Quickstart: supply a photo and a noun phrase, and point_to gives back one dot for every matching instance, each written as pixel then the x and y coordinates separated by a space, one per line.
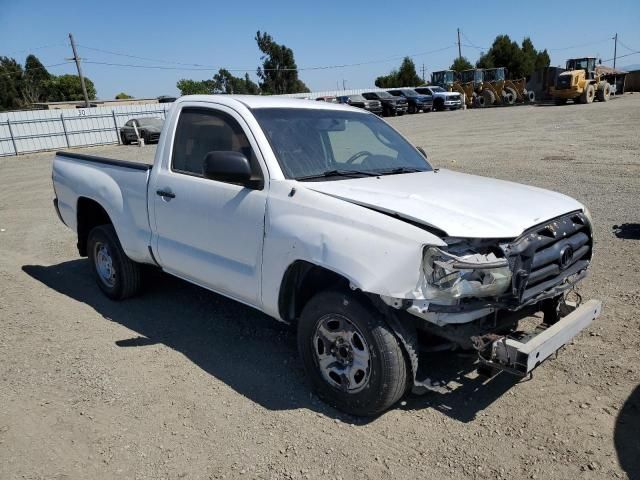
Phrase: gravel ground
pixel 182 383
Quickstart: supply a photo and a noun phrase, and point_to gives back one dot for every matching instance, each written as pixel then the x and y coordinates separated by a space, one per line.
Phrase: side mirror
pixel 421 150
pixel 230 167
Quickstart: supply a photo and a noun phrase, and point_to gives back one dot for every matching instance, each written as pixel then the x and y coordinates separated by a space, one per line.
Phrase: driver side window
pixel 200 131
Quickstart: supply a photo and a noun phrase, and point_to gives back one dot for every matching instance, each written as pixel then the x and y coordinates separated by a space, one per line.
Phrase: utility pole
pixel 615 49
pixel 459 49
pixel 77 60
pixel 344 84
pixel 423 70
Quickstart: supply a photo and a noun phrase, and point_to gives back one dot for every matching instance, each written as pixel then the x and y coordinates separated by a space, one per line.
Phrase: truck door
pixel 206 231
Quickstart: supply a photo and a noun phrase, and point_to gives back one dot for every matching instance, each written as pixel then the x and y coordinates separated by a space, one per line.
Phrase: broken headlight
pixel 468 274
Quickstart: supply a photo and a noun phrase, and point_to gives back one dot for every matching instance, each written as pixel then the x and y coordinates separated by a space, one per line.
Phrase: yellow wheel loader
pixel 447 80
pixel 510 91
pixel 582 82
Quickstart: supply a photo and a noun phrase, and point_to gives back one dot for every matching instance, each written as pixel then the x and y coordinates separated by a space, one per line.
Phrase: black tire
pixel 438 105
pixel 412 109
pixel 604 91
pixel 588 95
pixel 512 95
pixel 125 279
pixel 530 96
pixel 123 137
pixel 388 372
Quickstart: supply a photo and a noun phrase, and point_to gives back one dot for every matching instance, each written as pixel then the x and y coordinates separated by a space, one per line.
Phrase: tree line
pixel 21 86
pixel 520 61
pixel 278 74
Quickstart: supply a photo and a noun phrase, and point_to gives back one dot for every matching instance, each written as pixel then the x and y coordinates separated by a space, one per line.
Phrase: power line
pixel 579 46
pixel 471 44
pixel 628 48
pixel 622 56
pixel 195 67
pixel 44 67
pixel 29 50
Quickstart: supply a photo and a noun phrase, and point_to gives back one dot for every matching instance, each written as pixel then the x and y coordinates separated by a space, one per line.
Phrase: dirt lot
pixel 182 383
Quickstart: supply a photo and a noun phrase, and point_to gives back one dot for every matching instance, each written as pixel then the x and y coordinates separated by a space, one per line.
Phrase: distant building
pixel 93 103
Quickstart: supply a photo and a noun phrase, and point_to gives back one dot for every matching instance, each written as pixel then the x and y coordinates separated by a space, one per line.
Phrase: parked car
pixel 326 218
pixel 327 98
pixel 416 101
pixel 390 105
pixel 442 99
pixel 374 106
pixel 149 129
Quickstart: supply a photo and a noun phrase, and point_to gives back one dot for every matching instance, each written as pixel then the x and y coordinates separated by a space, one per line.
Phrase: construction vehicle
pixel 582 82
pixel 509 91
pixel 448 80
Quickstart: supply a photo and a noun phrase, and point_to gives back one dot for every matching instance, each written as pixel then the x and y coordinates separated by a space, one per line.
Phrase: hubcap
pixel 342 353
pixel 104 264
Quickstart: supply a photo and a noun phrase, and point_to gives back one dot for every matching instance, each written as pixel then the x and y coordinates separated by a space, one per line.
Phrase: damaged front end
pixel 474 292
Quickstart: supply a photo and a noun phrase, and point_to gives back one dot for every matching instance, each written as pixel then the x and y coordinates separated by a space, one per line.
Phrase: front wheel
pixel 353 359
pixel 116 274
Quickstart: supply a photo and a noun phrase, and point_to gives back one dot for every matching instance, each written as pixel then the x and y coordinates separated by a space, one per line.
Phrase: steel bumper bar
pixel 521 358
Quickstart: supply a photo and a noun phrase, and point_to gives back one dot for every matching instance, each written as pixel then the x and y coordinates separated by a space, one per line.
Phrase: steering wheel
pixel 356 156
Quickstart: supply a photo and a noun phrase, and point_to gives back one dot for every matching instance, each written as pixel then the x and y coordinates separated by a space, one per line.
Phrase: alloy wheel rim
pixel 342 353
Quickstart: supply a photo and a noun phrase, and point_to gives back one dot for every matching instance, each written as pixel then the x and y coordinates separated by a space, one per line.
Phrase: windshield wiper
pixel 398 170
pixel 339 173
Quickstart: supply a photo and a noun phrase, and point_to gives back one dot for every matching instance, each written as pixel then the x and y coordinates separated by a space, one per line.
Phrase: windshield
pixel 311 142
pixel 356 98
pixel 150 122
pixel 437 89
pixel 383 94
pixel 409 93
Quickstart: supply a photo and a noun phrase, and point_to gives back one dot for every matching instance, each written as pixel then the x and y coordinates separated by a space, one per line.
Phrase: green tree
pixel 279 72
pixel 485 61
pixel 387 81
pixel 68 88
pixel 225 82
pixel 36 81
pixel 405 76
pixel 460 64
pixel 123 96
pixel 195 87
pixel 11 78
pixel 519 61
pixel 542 60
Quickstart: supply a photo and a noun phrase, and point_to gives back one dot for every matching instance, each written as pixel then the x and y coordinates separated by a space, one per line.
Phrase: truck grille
pixel 547 255
pixel 564 81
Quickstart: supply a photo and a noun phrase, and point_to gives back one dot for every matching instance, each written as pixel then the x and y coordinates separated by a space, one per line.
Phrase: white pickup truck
pixel 325 217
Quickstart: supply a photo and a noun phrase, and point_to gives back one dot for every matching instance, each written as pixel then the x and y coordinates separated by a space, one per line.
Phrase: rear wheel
pixel 123 137
pixel 512 95
pixel 353 359
pixel 438 104
pixel 588 95
pixel 412 109
pixel 530 96
pixel 116 274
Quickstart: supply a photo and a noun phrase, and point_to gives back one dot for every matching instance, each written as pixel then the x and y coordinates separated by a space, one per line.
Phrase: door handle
pixel 165 194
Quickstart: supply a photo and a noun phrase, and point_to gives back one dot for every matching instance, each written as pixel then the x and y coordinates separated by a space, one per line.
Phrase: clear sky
pixel 326 33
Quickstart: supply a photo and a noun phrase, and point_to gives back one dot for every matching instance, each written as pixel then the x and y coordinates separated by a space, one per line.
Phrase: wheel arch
pixel 89 214
pixel 301 280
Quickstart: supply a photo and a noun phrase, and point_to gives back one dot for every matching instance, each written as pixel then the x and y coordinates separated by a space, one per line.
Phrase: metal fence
pixel 40 130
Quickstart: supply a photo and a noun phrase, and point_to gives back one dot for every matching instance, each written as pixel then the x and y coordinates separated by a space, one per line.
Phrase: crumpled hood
pixel 462 205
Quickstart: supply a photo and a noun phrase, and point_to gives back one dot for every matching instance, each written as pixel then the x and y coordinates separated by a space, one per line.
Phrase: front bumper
pixel 522 357
pixel 571 92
